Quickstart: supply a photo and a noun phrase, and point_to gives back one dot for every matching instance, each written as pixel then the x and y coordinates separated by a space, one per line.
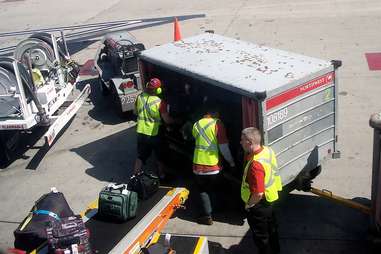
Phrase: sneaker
pixel 205 220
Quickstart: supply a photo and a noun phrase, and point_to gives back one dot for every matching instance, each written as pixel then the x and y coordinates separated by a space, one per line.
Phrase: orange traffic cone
pixel 177 34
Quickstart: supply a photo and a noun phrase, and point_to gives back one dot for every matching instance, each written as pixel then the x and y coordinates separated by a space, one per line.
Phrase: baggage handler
pixel 151 111
pixel 210 136
pixel 259 190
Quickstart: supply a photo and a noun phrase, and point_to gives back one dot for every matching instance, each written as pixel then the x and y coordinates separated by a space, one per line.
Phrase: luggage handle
pixel 143 173
pixel 122 186
pixel 46 212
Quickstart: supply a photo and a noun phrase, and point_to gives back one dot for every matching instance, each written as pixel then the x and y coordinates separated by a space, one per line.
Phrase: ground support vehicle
pixel 116 62
pixel 34 84
pixel 291 98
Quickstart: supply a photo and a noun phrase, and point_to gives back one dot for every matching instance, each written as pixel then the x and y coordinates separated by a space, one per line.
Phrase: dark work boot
pixel 205 220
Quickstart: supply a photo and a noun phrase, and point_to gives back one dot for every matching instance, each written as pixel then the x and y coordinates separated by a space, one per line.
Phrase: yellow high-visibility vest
pixel 273 182
pixel 149 120
pixel 206 148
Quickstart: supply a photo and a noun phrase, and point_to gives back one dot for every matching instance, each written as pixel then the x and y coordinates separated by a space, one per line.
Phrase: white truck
pixel 34 84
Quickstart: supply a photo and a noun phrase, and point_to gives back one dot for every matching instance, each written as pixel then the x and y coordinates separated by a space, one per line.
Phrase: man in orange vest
pixel 210 136
pixel 150 110
pixel 259 190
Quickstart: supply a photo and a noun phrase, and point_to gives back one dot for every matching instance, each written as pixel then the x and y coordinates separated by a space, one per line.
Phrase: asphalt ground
pixel 98 146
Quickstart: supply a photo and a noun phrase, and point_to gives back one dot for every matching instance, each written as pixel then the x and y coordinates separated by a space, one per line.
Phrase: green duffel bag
pixel 117 202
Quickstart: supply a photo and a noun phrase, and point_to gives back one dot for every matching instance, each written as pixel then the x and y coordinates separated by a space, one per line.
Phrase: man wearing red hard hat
pixel 151 111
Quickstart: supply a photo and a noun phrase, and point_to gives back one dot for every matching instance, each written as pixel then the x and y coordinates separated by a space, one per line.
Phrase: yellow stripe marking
pixel 199 245
pixel 93 205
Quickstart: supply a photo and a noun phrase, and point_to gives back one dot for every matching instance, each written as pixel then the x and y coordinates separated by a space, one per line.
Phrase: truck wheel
pixel 8 145
pixel 105 91
pixel 116 101
pixel 304 180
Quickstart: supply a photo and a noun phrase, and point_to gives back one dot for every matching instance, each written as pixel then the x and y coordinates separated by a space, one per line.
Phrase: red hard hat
pixel 154 83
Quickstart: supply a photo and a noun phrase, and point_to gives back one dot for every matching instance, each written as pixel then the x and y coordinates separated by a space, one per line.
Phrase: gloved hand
pixel 138 171
pixel 248 206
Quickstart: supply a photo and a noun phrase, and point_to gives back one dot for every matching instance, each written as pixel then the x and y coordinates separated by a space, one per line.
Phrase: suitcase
pixel 144 184
pixel 31 233
pixel 117 202
pixel 68 235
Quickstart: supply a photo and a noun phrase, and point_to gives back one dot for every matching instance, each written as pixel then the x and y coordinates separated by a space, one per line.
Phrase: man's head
pixel 211 108
pixel 154 86
pixel 250 139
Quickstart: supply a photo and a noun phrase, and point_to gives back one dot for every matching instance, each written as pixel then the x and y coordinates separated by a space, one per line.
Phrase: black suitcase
pixel 31 233
pixel 68 234
pixel 144 184
pixel 117 202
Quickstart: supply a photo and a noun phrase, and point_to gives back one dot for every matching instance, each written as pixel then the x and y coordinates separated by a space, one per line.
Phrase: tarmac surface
pixel 98 146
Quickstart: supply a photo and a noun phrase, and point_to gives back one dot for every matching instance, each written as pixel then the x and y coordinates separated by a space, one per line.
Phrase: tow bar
pixel 330 196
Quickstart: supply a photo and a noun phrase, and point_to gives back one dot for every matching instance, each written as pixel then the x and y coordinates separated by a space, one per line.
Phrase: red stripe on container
pixel 374 61
pixel 299 90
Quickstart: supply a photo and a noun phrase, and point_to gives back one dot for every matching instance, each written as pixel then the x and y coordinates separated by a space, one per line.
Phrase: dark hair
pixel 211 107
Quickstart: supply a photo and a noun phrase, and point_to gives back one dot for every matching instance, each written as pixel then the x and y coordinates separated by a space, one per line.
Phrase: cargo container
pixel 290 97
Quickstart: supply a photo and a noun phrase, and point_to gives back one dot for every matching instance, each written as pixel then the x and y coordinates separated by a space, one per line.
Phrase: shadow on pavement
pixel 112 157
pixel 309 224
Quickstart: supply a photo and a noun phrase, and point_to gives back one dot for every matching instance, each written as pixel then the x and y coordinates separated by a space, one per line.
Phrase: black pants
pixel 147 144
pixel 206 186
pixel 263 225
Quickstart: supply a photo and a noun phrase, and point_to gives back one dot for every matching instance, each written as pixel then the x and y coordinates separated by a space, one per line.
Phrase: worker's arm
pixel 165 115
pixel 253 200
pixel 135 110
pixel 225 151
pixel 167 118
pixel 256 180
pixel 223 144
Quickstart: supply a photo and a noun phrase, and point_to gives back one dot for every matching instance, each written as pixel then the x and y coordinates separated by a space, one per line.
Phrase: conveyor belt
pixel 104 235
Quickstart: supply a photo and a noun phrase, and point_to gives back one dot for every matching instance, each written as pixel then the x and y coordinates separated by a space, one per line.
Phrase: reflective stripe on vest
pixel 267 158
pixel 148 114
pixel 275 177
pixel 206 147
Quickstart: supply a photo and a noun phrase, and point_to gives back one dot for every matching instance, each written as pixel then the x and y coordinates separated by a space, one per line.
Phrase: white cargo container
pixel 290 97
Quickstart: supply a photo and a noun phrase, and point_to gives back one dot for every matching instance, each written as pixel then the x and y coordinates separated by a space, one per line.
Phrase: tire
pixel 116 101
pixel 6 150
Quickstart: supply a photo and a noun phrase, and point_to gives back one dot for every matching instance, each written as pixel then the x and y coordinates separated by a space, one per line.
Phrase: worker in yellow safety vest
pixel 210 140
pixel 259 190
pixel 150 110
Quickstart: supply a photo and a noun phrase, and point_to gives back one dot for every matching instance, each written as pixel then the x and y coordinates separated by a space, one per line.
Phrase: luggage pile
pixel 51 220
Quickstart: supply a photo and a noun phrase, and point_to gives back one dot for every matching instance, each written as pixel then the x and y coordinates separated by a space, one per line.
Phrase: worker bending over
pixel 150 110
pixel 210 136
